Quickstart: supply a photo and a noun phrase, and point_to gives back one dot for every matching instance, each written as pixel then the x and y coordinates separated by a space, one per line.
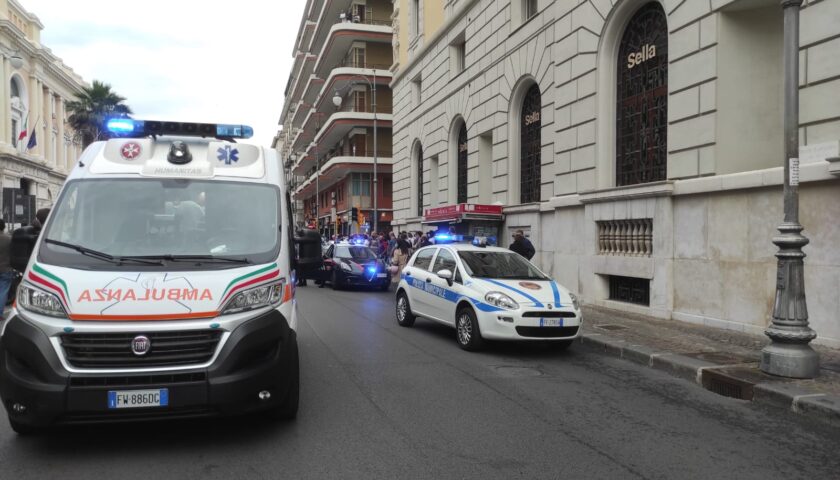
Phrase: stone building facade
pixel 637 142
pixel 35 87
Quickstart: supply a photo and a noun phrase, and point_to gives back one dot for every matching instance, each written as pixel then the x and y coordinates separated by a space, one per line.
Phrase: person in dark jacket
pixel 24 239
pixel 522 245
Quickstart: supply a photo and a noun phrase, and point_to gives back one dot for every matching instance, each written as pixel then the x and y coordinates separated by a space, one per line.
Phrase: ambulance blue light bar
pixel 129 127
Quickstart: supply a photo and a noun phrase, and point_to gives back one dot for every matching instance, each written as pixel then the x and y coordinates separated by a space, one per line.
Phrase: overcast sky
pixel 187 60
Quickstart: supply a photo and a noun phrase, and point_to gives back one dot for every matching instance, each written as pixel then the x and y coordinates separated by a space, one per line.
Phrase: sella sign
pixel 647 52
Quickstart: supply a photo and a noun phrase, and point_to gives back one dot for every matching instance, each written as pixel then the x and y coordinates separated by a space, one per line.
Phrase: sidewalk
pixel 722 361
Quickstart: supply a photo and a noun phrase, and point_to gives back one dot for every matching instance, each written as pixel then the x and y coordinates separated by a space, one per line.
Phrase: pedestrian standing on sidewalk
pixel 522 245
pixel 6 273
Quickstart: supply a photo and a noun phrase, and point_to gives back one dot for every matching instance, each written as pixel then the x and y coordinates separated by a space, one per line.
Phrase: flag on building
pixel 23 131
pixel 32 141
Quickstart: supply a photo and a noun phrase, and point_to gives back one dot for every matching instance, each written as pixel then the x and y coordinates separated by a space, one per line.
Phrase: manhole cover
pixel 509 371
pixel 612 327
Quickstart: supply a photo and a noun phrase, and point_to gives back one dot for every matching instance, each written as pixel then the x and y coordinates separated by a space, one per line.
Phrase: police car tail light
pixel 129 127
pixel 499 299
pixel 257 297
pixel 39 301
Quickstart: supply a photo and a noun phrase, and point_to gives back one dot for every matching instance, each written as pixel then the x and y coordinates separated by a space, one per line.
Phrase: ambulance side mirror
pixel 446 275
pixel 310 257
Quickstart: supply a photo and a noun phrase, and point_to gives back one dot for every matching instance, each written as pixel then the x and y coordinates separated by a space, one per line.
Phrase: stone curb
pixel 799 400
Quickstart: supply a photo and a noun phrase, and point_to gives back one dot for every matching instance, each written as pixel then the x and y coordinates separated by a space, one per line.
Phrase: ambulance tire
pixel 467 331
pixel 20 428
pixel 404 316
pixel 289 408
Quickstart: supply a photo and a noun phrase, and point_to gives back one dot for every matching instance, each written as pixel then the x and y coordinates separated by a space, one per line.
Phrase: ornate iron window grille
pixel 642 105
pixel 462 165
pixel 531 145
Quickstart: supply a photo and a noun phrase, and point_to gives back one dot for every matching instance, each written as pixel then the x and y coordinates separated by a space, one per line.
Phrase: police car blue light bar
pixel 129 127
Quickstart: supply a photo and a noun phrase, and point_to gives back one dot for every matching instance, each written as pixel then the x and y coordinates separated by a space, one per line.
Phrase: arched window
pixel 530 146
pixel 642 99
pixel 18 102
pixel 462 164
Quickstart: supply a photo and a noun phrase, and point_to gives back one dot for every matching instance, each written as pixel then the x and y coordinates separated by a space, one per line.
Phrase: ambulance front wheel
pixel 289 408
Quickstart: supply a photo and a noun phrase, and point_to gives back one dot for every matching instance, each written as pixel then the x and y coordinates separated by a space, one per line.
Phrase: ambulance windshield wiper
pixel 198 258
pixel 102 255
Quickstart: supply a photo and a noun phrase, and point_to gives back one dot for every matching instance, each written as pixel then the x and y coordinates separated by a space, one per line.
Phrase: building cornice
pixel 47 59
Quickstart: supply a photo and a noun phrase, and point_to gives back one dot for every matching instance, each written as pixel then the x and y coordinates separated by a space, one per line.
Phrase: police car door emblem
pixel 227 154
pixel 130 150
pixel 140 345
pixel 549 306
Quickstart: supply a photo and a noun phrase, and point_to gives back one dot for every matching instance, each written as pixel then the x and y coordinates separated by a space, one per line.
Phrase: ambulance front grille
pixel 113 350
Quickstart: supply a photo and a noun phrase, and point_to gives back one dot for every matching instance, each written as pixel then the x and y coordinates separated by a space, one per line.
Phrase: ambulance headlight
pixel 256 297
pixel 39 301
pixel 499 299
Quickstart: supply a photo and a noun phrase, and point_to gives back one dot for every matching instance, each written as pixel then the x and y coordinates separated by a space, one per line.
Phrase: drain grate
pixel 722 384
pixel 612 327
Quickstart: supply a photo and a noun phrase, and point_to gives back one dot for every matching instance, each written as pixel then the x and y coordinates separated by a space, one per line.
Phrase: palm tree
pixel 92 107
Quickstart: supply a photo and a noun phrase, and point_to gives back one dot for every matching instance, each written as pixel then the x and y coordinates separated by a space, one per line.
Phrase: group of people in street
pixel 396 249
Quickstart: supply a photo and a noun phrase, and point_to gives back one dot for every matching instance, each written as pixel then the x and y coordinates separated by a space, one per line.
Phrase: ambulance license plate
pixel 551 322
pixel 138 398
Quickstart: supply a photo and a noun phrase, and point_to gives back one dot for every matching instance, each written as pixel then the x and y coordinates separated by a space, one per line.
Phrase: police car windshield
pixel 354 253
pixel 166 218
pixel 499 265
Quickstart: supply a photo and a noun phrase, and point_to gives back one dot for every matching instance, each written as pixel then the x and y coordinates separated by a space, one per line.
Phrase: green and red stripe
pixel 46 279
pixel 253 278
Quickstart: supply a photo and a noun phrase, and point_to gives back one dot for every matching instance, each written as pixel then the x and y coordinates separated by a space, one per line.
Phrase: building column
pixel 5 134
pixel 49 119
pixel 34 112
pixel 60 161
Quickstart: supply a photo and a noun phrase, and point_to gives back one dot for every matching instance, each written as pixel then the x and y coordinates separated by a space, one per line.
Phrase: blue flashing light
pixel 123 125
pixel 128 127
pixel 447 238
pixel 234 131
pixel 371 269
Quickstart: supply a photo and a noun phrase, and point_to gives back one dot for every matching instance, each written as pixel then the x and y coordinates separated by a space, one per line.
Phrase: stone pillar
pixel 5 119
pixel 60 161
pixel 49 121
pixel 34 112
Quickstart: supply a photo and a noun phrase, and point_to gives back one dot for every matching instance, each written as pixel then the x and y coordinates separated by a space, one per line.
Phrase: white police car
pixel 486 293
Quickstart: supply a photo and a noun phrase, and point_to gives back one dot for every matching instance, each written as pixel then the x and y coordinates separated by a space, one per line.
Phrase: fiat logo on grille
pixel 141 345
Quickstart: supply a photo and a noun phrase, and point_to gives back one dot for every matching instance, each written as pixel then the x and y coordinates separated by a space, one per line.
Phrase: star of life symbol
pixel 227 154
pixel 130 150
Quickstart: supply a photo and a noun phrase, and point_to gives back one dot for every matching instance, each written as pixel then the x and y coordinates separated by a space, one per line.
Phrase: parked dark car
pixel 353 265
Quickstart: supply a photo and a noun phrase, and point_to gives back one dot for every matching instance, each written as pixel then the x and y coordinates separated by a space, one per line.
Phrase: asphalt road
pixel 381 401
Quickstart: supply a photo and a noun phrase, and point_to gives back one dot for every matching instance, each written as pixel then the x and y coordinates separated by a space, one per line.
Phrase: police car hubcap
pixel 401 308
pixel 464 328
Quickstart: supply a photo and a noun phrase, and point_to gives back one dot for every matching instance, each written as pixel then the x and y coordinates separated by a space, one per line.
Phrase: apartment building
pixel 336 119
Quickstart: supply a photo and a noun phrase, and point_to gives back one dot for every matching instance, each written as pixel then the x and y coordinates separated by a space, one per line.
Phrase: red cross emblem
pixel 130 150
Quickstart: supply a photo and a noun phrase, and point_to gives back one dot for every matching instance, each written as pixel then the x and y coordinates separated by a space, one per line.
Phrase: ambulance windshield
pixel 172 218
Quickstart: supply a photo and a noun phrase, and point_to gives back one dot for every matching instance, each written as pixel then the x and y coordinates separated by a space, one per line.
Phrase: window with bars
pixel 642 103
pixel 530 146
pixel 629 289
pixel 462 164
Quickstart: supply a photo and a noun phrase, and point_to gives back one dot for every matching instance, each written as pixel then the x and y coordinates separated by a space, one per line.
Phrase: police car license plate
pixel 551 322
pixel 138 398
pixel 381 275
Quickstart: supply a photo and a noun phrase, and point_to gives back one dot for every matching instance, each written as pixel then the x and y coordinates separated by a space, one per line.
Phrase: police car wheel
pixel 404 316
pixel 467 331
pixel 336 284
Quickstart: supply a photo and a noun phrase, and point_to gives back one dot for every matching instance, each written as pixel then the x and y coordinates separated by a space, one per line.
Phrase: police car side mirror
pixel 446 275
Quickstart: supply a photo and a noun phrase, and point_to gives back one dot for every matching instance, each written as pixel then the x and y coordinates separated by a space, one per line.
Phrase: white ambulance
pixel 162 285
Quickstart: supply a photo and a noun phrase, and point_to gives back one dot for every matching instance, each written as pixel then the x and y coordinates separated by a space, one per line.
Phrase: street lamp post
pixel 788 354
pixel 337 103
